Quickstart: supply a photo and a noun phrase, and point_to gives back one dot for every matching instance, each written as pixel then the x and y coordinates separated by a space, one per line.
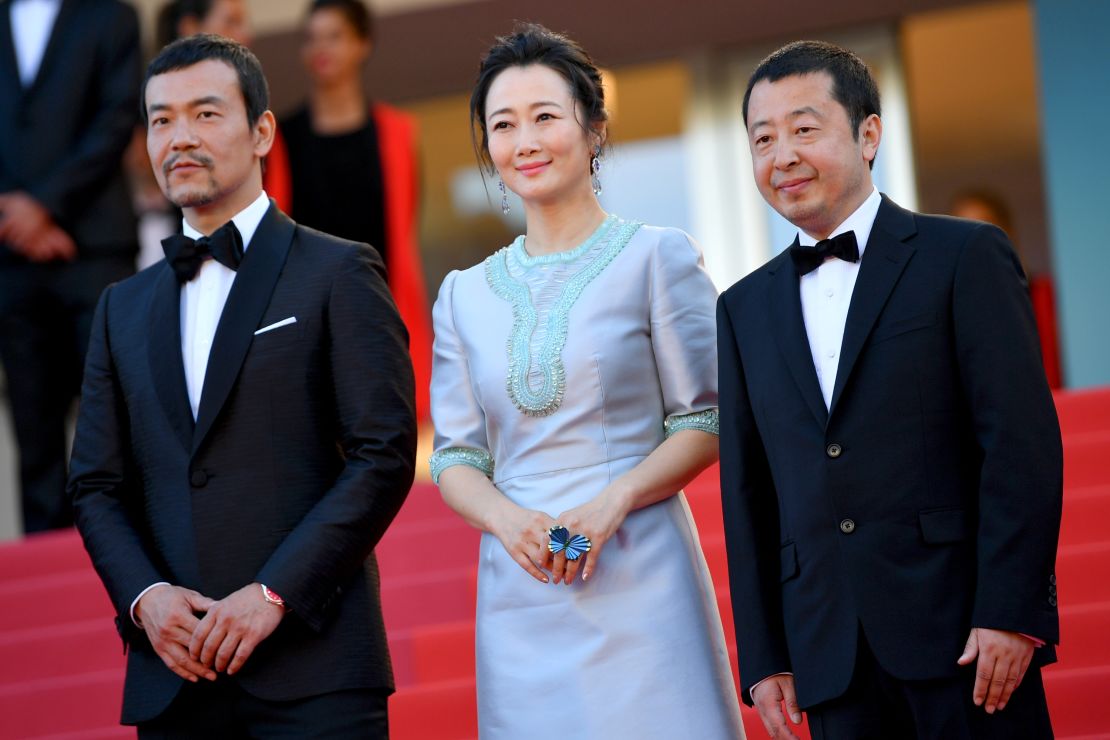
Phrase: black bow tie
pixel 808 259
pixel 186 255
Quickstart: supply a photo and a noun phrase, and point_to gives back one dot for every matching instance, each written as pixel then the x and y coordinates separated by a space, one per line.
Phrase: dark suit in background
pixel 301 455
pixel 925 501
pixel 61 142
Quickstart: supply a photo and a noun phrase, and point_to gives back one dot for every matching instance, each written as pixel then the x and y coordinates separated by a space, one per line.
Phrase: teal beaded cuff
pixel 704 421
pixel 475 458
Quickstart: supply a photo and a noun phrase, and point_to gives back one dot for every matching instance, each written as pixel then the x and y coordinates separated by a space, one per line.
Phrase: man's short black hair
pixel 853 86
pixel 200 48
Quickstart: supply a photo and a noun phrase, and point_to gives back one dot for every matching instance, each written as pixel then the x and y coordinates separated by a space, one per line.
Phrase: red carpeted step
pixel 1083 411
pixel 443 652
pixel 1077 699
pixel 58 598
pixel 424 504
pixel 716 556
pixel 67 704
pixel 1085 634
pixel 429 598
pixel 446 710
pixel 427 546
pixel 1085 458
pixel 42 554
pixel 59 650
pixel 111 732
pixel 1081 573
pixel 1086 517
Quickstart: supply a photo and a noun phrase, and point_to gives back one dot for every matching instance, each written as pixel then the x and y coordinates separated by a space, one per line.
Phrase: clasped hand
pixel 28 228
pixel 523 534
pixel 197 647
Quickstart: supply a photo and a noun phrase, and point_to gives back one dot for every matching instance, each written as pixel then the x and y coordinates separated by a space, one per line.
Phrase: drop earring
pixel 595 168
pixel 504 197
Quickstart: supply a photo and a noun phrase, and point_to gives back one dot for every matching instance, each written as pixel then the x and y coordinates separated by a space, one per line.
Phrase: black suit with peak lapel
pixel 301 454
pixel 62 140
pixel 926 499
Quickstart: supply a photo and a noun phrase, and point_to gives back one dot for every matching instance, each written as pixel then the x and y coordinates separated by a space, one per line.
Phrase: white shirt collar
pixel 246 220
pixel 861 221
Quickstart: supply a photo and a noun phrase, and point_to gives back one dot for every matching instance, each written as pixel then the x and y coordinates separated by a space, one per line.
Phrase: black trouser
pixel 221 710
pixel 878 706
pixel 46 311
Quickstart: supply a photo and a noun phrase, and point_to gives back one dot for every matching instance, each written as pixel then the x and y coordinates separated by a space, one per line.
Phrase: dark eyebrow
pixel 793 114
pixel 533 106
pixel 803 111
pixel 206 100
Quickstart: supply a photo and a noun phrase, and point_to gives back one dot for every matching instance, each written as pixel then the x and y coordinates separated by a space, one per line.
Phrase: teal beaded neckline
pixel 536 380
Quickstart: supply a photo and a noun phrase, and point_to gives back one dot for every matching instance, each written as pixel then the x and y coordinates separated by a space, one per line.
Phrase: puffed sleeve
pixel 460 423
pixel 684 334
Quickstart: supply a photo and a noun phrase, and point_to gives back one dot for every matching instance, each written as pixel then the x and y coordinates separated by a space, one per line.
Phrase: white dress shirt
pixel 827 292
pixel 203 299
pixel 32 24
pixel 202 304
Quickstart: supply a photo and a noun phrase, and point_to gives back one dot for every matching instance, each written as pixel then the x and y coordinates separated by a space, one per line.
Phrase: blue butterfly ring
pixel 559 540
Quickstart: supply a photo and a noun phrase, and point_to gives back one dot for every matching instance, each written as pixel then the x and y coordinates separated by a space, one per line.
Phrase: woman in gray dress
pixel 574 394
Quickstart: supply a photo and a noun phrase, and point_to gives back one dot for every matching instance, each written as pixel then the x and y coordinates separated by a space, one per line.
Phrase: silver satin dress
pixel 554 375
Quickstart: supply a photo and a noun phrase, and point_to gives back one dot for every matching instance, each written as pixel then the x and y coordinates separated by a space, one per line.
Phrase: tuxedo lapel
pixel 166 366
pixel 249 297
pixel 885 257
pixel 790 334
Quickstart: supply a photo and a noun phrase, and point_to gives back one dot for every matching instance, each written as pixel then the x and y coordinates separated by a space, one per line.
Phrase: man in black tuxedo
pixel 891 466
pixel 69 86
pixel 246 434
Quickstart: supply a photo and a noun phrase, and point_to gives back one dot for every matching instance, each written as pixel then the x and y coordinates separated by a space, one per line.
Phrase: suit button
pixel 1052 579
pixel 198 478
pixel 1052 601
pixel 834 450
pixel 847 526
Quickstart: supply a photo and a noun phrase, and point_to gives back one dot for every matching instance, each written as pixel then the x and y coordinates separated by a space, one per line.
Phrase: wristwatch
pixel 271 597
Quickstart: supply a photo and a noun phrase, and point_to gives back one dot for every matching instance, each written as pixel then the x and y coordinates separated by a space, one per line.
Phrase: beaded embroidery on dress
pixel 542 291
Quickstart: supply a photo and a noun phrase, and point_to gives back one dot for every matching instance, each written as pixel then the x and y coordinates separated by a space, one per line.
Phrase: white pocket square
pixel 277 325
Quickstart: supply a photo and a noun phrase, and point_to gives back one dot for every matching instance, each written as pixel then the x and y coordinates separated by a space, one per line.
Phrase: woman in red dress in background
pixel 347 165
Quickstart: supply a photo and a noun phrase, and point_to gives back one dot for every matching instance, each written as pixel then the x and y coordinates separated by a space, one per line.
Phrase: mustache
pixel 191 159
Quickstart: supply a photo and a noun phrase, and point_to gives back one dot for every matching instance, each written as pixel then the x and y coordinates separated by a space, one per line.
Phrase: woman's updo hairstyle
pixel 528 44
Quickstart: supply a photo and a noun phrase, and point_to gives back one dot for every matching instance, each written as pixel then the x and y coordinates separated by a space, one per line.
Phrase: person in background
pixel 574 394
pixel 69 79
pixel 180 18
pixel 352 164
pixel 980 205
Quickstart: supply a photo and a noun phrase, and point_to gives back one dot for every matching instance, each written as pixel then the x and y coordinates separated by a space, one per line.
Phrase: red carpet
pixel 61 664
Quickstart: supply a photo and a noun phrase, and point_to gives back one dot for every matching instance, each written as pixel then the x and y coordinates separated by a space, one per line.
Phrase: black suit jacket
pixel 300 457
pixel 927 499
pixel 62 138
